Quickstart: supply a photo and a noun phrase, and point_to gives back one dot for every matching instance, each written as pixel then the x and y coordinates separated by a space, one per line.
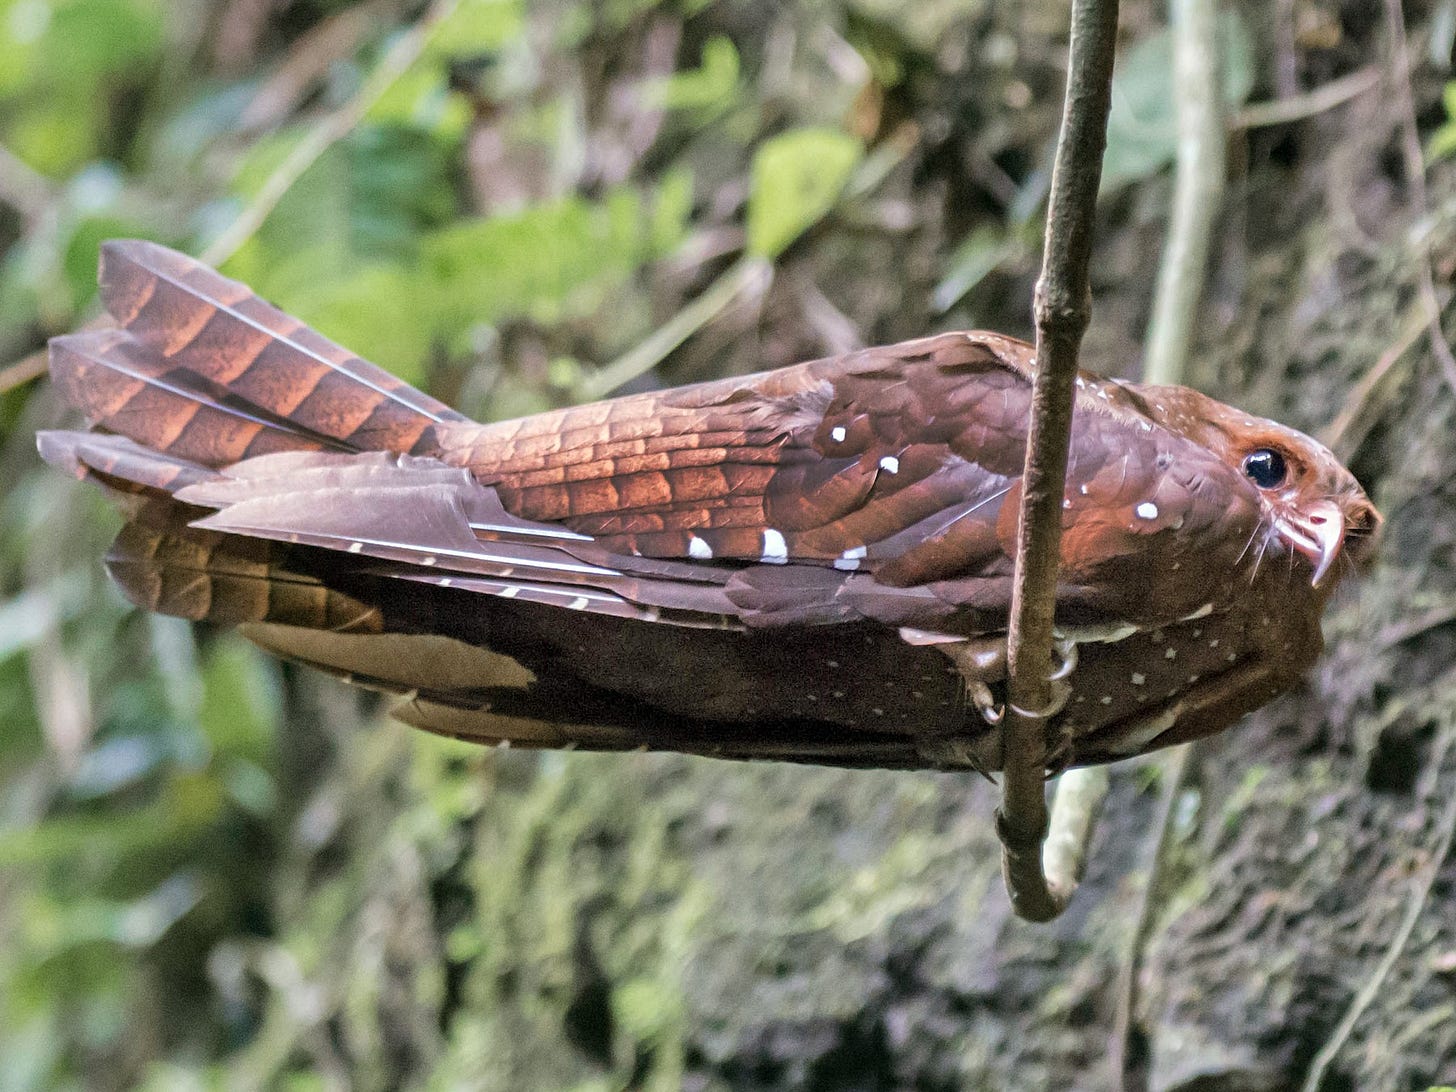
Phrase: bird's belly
pixel 860 676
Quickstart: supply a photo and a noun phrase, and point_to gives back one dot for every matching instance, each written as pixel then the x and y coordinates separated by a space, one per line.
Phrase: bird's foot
pixel 985 703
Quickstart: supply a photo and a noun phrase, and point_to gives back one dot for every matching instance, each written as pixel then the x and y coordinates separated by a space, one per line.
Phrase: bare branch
pixel 1415 169
pixel 1063 310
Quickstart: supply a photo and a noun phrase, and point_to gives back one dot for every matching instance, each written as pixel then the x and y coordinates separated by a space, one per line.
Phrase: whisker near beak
pixel 1317 532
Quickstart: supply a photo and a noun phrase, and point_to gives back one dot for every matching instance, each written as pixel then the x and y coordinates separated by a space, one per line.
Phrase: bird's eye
pixel 1266 468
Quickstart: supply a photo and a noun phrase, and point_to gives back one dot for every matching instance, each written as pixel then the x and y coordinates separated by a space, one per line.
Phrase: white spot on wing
pixel 890 465
pixel 775 549
pixel 1147 510
pixel 849 560
pixel 837 434
pixel 699 549
pixel 355 547
pixel 578 603
pixel 1138 678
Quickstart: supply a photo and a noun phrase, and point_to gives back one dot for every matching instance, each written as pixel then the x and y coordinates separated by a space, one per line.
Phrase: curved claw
pixel 985 704
pixel 1065 649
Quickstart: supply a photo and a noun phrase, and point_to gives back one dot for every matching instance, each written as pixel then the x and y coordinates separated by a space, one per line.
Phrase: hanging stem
pixel 1063 309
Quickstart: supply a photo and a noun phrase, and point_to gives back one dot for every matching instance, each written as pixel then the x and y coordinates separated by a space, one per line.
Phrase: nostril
pixel 1317 519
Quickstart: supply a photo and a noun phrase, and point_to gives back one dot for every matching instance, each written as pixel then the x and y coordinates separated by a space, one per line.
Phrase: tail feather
pixel 203 368
pixel 199 575
pixel 123 387
pixel 118 462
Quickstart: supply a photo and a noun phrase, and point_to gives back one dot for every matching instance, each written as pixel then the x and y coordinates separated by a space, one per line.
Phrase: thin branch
pixel 1197 190
pixel 1353 423
pixel 406 50
pixel 748 274
pixel 333 128
pixel 308 60
pixel 1175 769
pixel 24 188
pixel 1063 310
pixel 1415 169
pixel 1298 107
pixel 22 371
pixel 1420 895
pixel 1197 197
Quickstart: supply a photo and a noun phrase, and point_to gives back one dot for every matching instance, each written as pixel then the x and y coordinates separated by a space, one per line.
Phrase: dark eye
pixel 1265 467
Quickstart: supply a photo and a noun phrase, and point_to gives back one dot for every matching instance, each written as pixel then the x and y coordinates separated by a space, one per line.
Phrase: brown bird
pixel 766 566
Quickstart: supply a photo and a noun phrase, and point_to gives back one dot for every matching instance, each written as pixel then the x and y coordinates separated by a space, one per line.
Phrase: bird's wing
pixel 899 464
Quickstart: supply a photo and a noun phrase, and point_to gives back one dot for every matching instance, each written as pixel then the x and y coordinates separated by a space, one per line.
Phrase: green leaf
pixel 710 86
pixel 1142 128
pixel 548 262
pixel 796 178
pixel 380 313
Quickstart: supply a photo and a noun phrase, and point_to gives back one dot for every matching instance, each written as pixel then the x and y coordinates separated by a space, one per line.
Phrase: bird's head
pixel 1312 505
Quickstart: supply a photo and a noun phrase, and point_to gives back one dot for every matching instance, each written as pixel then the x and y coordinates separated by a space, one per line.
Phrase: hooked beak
pixel 1317 532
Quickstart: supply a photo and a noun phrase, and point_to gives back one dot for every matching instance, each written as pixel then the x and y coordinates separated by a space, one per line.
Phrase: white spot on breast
pixel 699 549
pixel 831 663
pixel 877 711
pixel 1171 654
pixel 775 549
pixel 890 465
pixel 1213 643
pixel 355 547
pixel 837 434
pixel 1147 510
pixel 1106 699
pixel 1138 678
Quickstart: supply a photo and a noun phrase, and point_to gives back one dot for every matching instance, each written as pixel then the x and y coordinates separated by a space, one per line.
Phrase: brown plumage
pixel 767 566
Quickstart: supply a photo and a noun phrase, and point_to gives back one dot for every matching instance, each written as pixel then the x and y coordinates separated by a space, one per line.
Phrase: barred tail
pixel 201 369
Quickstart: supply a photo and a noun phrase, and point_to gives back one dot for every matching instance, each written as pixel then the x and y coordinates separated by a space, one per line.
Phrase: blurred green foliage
pixel 527 191
pixel 216 871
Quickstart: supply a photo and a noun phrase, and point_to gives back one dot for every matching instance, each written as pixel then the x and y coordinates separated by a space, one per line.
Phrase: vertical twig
pixel 1197 196
pixel 398 60
pixel 1418 899
pixel 1197 189
pixel 1063 310
pixel 1415 169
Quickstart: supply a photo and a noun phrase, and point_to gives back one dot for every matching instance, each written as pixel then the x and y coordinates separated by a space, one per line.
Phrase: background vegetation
pixel 217 872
